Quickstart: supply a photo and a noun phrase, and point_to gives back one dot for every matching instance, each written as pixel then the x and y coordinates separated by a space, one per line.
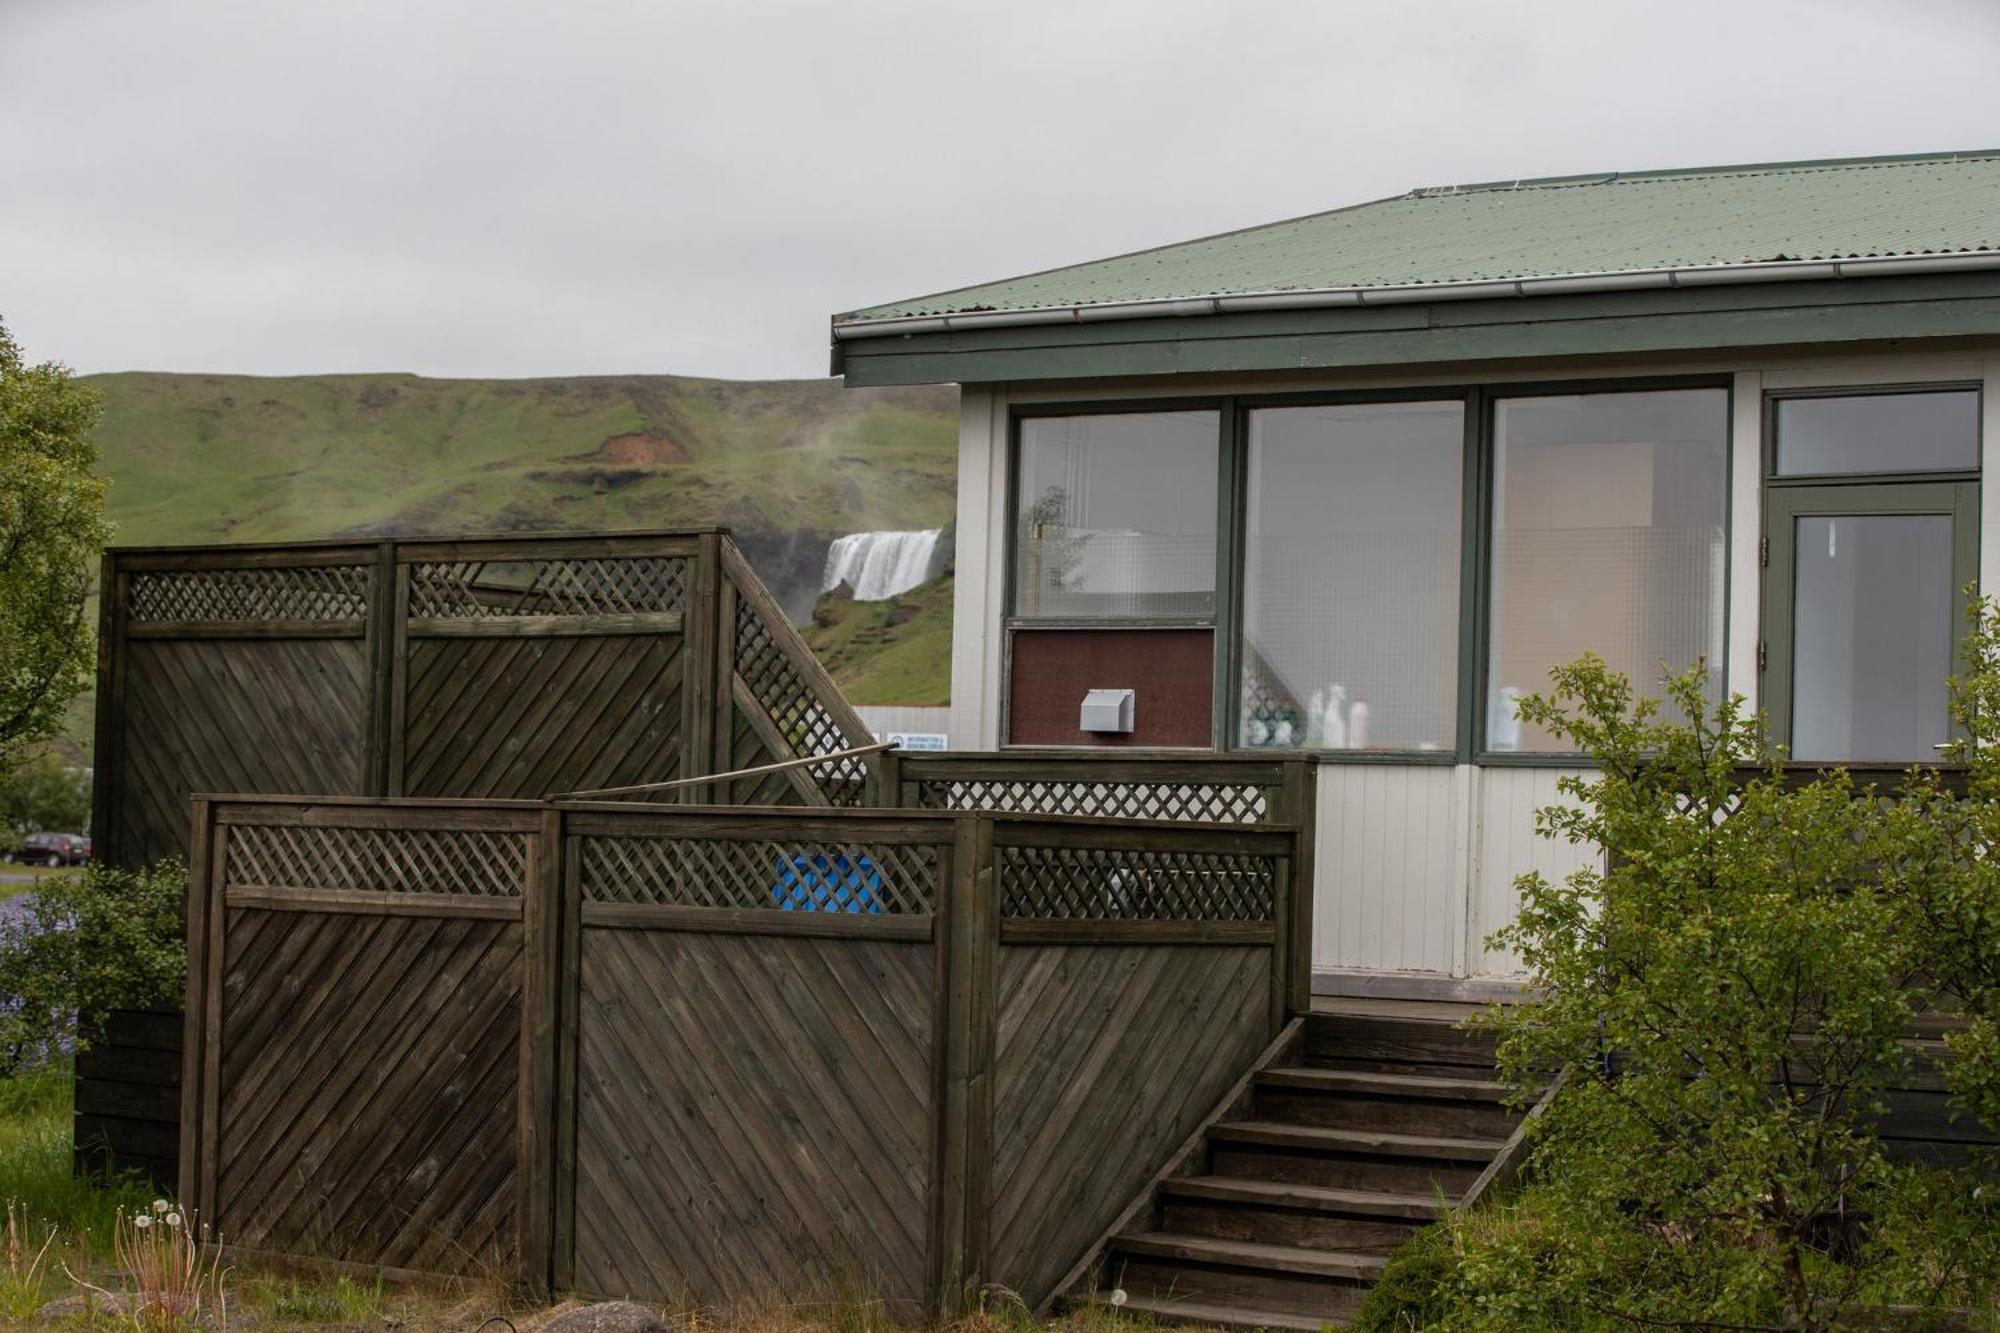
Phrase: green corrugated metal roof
pixel 1565 227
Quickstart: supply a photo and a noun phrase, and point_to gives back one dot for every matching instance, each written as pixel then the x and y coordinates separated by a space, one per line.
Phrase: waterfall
pixel 880 565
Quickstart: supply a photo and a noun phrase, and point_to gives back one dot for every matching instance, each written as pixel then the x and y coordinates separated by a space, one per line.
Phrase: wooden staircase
pixel 1334 1151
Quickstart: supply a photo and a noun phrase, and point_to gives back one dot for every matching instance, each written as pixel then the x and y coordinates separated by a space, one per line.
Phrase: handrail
pixel 706 778
pixel 1514 1151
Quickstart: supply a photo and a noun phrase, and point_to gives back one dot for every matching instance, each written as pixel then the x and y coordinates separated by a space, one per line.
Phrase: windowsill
pixel 1398 758
pixel 1530 759
pixel 1110 622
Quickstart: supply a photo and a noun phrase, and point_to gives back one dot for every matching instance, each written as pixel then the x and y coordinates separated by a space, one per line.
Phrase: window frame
pixel 1767 468
pixel 1872 493
pixel 1480 665
pixel 1470 400
pixel 1475 544
pixel 1012 623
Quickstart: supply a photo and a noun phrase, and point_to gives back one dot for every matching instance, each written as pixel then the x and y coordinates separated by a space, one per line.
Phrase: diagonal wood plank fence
pixel 712 1055
pixel 492 666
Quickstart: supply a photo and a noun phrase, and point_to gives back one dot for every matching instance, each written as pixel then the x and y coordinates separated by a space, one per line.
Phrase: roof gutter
pixel 1710 275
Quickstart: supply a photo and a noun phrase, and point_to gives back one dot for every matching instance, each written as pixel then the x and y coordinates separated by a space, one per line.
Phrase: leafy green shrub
pixel 1519 1265
pixel 85 945
pixel 1729 994
pixel 1949 877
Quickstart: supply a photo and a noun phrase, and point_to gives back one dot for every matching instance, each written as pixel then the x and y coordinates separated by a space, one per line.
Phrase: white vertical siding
pixel 980 582
pixel 1509 848
pixel 1417 866
pixel 1389 868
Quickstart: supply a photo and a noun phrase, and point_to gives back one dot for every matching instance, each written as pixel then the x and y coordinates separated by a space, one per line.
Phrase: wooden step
pixel 1292 1259
pixel 1396 1045
pixel 1339 1159
pixel 1372 1143
pixel 1419 1208
pixel 1384 1084
pixel 1270 1224
pixel 1466 1108
pixel 1165 1310
pixel 1265 1281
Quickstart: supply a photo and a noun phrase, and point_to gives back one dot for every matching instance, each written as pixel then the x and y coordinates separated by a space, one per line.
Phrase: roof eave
pixel 848 329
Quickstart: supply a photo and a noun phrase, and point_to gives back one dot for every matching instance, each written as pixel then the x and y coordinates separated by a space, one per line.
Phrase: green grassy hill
pixel 895 652
pixel 788 464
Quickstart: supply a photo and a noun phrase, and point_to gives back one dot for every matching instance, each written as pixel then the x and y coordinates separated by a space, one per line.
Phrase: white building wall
pixel 1417 864
pixel 979 586
pixel 1390 884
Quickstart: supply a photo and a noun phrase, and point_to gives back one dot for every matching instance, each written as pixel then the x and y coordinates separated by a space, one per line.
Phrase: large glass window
pixel 1351 577
pixel 1115 516
pixel 1609 536
pixel 1934 431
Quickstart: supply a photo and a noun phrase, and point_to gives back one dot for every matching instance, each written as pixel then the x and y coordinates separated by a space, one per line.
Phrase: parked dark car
pixel 50 849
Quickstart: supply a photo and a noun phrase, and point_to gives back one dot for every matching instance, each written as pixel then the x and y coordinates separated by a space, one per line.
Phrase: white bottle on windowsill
pixel 1358 718
pixel 1333 729
pixel 1506 721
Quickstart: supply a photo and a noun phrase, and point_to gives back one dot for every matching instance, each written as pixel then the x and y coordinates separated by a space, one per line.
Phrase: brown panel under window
pixel 1171 671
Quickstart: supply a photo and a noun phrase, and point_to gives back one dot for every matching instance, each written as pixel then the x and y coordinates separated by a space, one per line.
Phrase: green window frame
pixel 1475 544
pixel 1787 498
pixel 1956 500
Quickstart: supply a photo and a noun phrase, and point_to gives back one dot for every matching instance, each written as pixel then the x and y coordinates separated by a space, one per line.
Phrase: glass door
pixel 1864 609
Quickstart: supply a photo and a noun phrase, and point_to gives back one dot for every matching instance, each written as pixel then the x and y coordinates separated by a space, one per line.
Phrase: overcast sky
pixel 545 187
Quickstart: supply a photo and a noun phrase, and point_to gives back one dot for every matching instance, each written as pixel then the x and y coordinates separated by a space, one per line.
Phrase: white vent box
pixel 1106 710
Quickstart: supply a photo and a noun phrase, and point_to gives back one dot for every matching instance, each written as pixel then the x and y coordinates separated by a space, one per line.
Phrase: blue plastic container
pixel 823 883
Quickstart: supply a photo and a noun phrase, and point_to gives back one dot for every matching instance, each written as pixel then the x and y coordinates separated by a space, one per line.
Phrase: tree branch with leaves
pixel 52 528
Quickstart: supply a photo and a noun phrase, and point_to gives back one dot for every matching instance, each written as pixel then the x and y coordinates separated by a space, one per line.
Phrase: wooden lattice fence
pixel 476 667
pixel 702 1053
pixel 490 667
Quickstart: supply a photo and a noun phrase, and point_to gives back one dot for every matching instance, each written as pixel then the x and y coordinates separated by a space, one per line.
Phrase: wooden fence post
pixel 1299 805
pixel 569 991
pixel 723 757
pixel 396 675
pixel 885 779
pixel 107 819
pixel 703 675
pixel 967 939
pixel 382 623
pixel 541 985
pixel 201 874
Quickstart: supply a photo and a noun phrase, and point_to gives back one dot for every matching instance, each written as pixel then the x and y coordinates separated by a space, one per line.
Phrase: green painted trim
pixel 1231 457
pixel 1474 544
pixel 1533 759
pixel 1363 758
pixel 1516 328
pixel 1783 505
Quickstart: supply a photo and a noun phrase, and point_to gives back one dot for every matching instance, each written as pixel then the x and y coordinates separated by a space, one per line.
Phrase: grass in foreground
pixel 62 1235
pixel 35 1175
